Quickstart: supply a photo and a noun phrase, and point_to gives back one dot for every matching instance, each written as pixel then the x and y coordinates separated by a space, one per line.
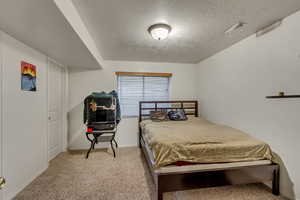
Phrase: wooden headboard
pixel 190 107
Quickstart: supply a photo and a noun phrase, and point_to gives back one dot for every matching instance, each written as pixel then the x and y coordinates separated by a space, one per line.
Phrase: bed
pixel 197 153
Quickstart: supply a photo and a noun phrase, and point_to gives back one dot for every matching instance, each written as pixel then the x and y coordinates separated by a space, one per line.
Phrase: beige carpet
pixel 70 176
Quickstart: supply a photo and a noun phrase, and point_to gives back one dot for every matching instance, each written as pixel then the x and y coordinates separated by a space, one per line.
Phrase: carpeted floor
pixel 71 177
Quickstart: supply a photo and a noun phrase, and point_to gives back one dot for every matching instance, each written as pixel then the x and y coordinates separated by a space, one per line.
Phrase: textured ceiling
pixel 119 27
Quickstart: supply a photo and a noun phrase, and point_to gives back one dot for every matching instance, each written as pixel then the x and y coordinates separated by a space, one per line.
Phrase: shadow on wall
pixel 286 184
pixel 76 136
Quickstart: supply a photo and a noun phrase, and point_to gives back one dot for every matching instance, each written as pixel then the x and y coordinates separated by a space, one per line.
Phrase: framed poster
pixel 28 76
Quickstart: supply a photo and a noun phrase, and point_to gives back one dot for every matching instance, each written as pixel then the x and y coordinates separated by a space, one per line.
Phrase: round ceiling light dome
pixel 159 31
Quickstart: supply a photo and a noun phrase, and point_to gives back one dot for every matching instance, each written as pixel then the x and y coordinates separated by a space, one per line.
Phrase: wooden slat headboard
pixel 190 107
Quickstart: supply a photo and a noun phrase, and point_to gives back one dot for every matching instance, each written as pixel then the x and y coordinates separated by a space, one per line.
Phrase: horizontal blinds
pixel 133 89
pixel 156 88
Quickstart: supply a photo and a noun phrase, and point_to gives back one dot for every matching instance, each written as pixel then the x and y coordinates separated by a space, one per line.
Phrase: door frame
pixel 65 107
pixel 1 111
pixel 64 103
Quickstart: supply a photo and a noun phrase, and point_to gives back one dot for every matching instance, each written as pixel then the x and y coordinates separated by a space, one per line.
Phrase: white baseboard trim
pixel 101 146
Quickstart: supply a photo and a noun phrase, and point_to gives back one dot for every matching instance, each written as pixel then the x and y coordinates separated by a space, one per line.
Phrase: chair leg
pixel 91 147
pixel 94 142
pixel 113 149
pixel 115 143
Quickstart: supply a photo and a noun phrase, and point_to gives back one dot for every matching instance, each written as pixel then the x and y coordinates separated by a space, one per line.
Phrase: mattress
pixel 197 140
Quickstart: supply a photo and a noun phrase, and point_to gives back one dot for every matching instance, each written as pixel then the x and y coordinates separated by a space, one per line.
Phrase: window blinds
pixel 133 89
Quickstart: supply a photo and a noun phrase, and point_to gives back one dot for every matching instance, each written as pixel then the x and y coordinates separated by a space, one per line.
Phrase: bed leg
pixel 140 145
pixel 159 189
pixel 159 195
pixel 275 182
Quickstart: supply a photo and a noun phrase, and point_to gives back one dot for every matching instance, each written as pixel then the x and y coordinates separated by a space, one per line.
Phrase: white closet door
pixel 55 133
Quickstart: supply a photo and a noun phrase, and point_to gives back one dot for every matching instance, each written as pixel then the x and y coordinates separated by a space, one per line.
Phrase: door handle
pixel 2 182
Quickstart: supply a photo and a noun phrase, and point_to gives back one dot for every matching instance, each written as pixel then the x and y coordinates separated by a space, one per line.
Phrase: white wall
pixel 232 86
pixel 25 115
pixel 24 121
pixel 82 83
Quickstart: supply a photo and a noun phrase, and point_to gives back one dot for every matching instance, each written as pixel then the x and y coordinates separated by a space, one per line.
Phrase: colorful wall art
pixel 28 76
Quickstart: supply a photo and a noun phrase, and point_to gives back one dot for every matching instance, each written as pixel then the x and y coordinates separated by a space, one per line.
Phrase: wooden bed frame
pixel 175 178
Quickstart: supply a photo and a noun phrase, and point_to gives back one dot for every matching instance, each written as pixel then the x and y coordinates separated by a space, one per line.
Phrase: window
pixel 133 89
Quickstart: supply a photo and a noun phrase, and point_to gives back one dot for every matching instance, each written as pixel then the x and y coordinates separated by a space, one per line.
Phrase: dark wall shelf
pixel 283 97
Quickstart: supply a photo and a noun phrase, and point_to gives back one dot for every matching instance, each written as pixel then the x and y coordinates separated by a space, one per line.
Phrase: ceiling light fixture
pixel 235 27
pixel 159 31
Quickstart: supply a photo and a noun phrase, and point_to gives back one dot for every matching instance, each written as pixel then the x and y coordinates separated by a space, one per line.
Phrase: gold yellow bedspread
pixel 200 141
